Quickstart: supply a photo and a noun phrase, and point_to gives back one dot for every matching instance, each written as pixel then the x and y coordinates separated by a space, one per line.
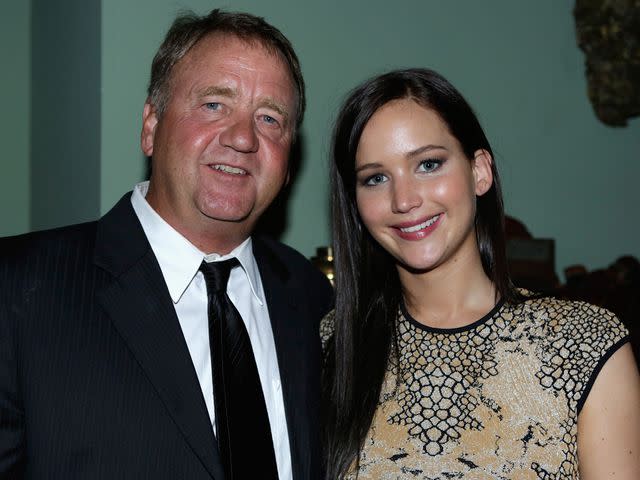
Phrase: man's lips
pixel 221 167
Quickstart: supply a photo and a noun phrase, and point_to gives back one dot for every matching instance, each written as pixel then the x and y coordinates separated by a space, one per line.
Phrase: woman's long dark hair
pixel 368 289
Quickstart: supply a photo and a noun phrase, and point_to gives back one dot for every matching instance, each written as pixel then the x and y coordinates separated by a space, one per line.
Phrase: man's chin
pixel 236 216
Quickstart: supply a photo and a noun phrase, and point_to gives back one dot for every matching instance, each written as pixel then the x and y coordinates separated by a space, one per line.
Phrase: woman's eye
pixel 376 179
pixel 430 165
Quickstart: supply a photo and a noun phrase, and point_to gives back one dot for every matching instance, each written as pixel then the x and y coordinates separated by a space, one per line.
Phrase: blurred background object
pixel 531 261
pixel 608 32
pixel 323 260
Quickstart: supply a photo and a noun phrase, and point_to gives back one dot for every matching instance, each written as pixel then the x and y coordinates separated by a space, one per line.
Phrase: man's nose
pixel 240 134
pixel 404 195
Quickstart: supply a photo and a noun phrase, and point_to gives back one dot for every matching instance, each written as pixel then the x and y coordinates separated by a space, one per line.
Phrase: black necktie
pixel 242 423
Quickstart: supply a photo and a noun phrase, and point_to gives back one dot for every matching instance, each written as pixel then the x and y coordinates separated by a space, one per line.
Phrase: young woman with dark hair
pixel 436 366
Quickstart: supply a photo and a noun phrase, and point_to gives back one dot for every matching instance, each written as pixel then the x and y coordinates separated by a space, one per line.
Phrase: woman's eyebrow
pixel 423 149
pixel 367 166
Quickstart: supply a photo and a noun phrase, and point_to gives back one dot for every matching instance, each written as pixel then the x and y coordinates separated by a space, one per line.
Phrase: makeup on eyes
pixel 373 180
pixel 427 165
pixel 435 164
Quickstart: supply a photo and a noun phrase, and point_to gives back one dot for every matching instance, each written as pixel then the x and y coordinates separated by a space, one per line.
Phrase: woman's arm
pixel 609 423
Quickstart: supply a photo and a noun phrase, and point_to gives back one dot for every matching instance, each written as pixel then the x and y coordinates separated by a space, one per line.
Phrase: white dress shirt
pixel 179 262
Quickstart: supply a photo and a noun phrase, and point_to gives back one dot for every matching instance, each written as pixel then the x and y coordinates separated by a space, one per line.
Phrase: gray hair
pixel 188 29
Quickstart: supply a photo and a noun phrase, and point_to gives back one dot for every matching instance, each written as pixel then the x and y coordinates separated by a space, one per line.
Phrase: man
pixel 108 329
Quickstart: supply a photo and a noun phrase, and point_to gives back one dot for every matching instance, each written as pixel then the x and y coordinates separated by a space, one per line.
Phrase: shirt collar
pixel 178 258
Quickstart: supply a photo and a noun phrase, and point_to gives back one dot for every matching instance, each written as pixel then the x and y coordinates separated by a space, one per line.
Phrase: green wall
pixel 565 175
pixel 15 47
pixel 65 112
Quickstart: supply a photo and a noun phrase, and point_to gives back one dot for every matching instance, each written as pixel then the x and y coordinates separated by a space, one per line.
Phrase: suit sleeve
pixel 11 412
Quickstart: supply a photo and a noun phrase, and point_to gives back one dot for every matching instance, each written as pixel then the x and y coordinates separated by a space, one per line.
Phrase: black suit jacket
pixel 96 381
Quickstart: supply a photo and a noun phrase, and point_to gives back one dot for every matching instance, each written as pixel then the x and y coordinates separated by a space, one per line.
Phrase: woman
pixel 436 366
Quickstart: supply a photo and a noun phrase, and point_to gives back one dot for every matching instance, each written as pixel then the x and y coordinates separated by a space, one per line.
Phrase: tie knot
pixel 216 274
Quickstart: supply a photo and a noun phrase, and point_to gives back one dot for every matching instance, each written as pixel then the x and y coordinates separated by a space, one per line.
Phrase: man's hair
pixel 188 29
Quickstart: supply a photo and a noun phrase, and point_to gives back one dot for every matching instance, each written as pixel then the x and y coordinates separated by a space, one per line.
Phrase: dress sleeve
pixel 610 334
pixel 326 330
pixel 583 338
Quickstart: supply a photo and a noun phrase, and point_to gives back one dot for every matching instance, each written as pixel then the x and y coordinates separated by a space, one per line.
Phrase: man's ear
pixel 482 173
pixel 149 123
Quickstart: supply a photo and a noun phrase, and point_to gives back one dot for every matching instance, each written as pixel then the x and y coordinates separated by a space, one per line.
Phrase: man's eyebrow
pixel 232 93
pixel 217 90
pixel 274 105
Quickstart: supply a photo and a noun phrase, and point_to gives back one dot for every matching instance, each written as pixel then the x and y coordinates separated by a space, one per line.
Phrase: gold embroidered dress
pixel 497 399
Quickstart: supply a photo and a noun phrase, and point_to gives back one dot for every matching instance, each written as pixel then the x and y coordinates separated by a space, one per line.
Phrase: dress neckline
pixel 464 328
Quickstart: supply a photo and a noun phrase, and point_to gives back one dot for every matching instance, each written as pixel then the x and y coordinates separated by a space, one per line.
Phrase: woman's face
pixel 415 188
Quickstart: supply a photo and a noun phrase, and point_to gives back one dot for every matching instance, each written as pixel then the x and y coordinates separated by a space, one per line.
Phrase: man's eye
pixel 269 119
pixel 430 165
pixel 376 179
pixel 213 105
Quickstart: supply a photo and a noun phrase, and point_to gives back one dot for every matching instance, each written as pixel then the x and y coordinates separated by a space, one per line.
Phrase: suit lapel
pixel 284 314
pixel 140 307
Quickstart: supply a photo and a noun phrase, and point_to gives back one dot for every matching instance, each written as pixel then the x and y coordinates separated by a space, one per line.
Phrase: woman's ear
pixel 482 173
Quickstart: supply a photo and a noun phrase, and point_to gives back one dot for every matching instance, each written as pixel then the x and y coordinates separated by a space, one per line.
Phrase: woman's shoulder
pixel 577 339
pixel 575 314
pixel 572 322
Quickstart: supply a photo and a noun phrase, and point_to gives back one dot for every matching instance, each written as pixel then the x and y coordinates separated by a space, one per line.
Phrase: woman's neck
pixel 454 294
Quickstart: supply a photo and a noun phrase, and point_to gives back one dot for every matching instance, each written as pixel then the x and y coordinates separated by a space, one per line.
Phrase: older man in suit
pixel 165 341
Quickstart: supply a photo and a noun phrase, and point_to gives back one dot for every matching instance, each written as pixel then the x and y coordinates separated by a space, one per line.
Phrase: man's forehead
pixel 210 67
pixel 222 40
pixel 223 49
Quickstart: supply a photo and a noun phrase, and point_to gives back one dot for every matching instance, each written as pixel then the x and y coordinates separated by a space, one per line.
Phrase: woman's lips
pixel 419 230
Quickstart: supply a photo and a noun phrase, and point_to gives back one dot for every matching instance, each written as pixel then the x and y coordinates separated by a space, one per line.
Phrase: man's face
pixel 220 149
